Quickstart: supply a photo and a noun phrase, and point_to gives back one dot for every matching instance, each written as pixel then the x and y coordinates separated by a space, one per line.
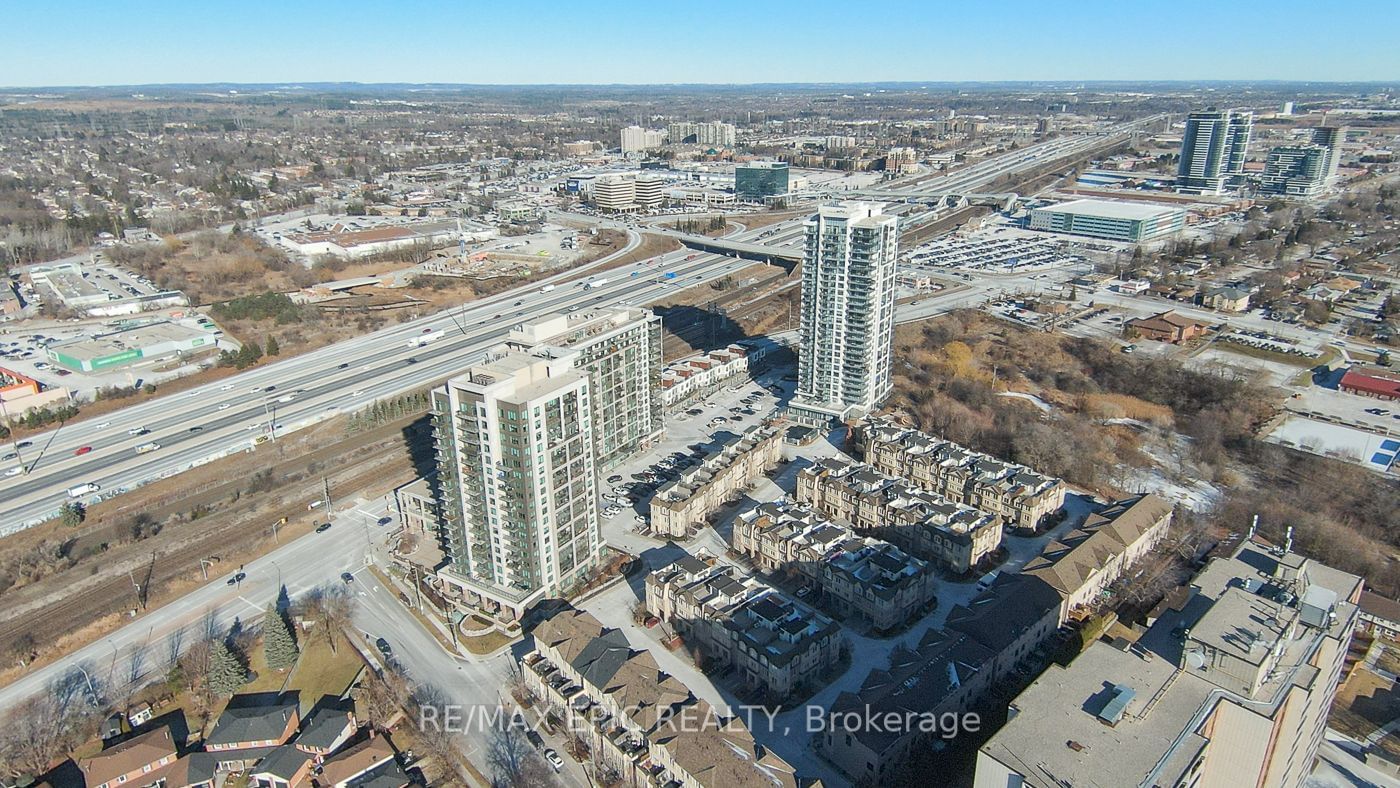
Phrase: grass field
pixel 319 672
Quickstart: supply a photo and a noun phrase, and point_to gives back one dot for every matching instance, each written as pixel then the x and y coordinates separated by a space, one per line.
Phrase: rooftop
pixel 1112 209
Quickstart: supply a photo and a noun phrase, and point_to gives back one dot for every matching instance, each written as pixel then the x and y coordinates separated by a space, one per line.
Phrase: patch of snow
pixel 1031 398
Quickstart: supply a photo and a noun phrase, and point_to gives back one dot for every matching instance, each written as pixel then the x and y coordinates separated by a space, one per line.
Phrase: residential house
pixel 1226 299
pixel 325 730
pixel 139 762
pixel 1379 616
pixel 370 764
pixel 948 672
pixel 244 735
pixel 286 766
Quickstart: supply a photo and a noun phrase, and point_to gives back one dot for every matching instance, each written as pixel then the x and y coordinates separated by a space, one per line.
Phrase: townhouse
pixel 856 575
pixel 681 507
pixel 642 723
pixel 1019 495
pixel 776 646
pixel 955 536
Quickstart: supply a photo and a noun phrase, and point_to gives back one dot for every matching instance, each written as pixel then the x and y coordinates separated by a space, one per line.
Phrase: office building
pixel 648 191
pixel 1017 494
pixel 1110 220
pixel 517 481
pixel 955 536
pixel 1296 171
pixel 615 192
pixel 1213 151
pixel 639 722
pixel 619 350
pixel 1230 685
pixel 858 576
pixel 759 180
pixel 847 328
pixel 839 142
pixel 777 647
pixel 636 139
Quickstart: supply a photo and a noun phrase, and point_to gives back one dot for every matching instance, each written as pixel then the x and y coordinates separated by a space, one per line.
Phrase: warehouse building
pixel 129 346
pixel 1113 221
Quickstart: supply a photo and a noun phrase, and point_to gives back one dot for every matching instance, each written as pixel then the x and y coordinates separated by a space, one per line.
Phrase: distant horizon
pixel 86 43
pixel 906 84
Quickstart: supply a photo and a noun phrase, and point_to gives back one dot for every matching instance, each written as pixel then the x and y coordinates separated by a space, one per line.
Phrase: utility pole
pixel 204 564
pixel 326 486
pixel 137 586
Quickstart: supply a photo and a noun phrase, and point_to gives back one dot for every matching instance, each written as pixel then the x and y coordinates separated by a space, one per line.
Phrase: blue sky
pixel 718 41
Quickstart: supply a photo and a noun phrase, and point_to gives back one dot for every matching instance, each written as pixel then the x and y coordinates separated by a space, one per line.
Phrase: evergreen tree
pixel 272 347
pixel 226 671
pixel 279 644
pixel 72 514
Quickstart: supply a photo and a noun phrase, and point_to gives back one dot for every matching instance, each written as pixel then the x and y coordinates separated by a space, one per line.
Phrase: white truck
pixel 420 341
pixel 546 288
pixel 83 489
pixel 595 284
pixel 147 448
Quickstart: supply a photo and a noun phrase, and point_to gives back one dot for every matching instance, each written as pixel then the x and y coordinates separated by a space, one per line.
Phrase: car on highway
pixel 102 425
pixel 226 387
pixel 10 456
pixel 15 471
pixel 81 450
pixel 357 392
pixel 24 444
pixel 410 360
pixel 224 406
pixel 323 527
pixel 137 431
pixel 196 428
pixel 343 366
pixel 237 578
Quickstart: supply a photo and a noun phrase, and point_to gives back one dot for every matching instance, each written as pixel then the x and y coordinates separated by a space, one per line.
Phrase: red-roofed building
pixel 1371 383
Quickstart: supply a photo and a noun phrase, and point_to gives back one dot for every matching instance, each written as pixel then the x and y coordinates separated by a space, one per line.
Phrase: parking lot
pixel 1001 250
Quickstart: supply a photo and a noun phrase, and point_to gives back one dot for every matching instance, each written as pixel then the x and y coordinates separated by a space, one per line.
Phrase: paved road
pixel 218 419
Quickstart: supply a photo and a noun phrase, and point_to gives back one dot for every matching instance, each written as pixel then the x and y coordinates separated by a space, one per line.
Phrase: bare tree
pixel 332 610
pixel 514 763
pixel 39 731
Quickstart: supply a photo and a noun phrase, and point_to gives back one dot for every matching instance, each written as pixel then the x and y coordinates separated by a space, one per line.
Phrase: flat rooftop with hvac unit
pixel 129 346
pixel 1110 220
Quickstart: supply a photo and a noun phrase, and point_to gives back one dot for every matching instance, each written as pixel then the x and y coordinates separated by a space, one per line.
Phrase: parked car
pixel 554 759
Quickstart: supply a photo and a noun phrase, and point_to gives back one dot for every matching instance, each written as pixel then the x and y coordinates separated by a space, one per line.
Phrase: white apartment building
pixel 648 190
pixel 517 481
pixel 713 133
pixel 1296 171
pixel 848 283
pixel 620 352
pixel 636 139
pixel 1213 150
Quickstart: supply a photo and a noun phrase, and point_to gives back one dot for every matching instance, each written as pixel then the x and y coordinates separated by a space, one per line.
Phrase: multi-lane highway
pixel 217 419
pixel 979 176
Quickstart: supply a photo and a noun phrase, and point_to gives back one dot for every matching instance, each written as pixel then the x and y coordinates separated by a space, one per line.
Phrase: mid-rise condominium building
pixel 516 481
pixel 636 139
pixel 1230 685
pixel 1296 171
pixel 1213 150
pixel 848 283
pixel 619 350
